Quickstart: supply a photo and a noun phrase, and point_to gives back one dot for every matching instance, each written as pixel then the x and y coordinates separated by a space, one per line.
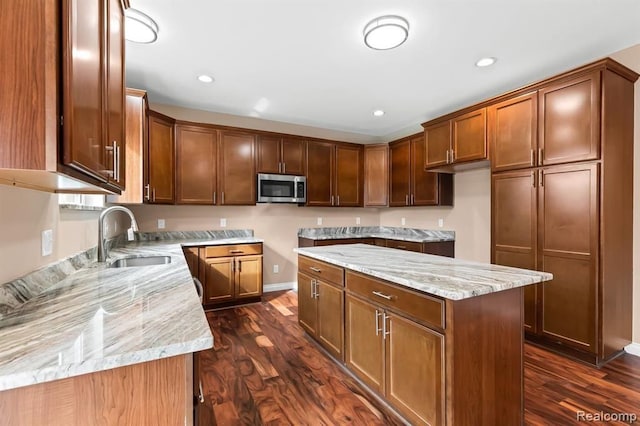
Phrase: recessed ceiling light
pixel 205 78
pixel 485 62
pixel 386 32
pixel 378 113
pixel 139 27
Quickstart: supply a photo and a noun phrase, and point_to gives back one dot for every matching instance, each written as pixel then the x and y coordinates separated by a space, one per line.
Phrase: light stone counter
pixel 79 316
pixel 437 275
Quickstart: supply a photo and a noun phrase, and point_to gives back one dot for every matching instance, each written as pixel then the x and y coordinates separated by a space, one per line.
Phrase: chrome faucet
pixel 102 251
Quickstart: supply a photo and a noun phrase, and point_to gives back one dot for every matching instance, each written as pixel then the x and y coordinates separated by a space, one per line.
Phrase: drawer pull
pixel 384 296
pixel 236 251
pixel 315 269
pixel 401 247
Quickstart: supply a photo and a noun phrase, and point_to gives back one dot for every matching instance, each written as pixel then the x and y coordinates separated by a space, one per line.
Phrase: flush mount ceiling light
pixel 386 32
pixel 378 113
pixel 205 78
pixel 139 27
pixel 485 62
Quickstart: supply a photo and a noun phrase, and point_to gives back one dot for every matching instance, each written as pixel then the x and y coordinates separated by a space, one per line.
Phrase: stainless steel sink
pixel 126 262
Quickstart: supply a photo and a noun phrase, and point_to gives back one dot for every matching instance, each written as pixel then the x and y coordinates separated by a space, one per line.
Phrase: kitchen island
pixel 86 342
pixel 438 338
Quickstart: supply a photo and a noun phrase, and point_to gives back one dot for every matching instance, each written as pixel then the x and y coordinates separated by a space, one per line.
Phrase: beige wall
pixel 631 58
pixel 470 215
pixel 277 224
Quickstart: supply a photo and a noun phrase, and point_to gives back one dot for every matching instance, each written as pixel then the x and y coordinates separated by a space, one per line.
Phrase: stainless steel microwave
pixel 282 189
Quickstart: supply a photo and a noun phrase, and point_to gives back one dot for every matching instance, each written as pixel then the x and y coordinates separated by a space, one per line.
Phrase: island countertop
pixel 95 318
pixel 436 275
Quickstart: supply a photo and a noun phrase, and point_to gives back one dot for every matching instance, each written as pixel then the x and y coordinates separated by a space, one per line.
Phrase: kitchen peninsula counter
pixel 440 339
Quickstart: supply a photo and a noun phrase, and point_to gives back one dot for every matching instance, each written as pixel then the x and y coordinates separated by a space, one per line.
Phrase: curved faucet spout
pixel 102 251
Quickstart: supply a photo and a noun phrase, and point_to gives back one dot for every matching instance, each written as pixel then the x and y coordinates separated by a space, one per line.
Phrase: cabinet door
pixel 320 164
pixel 415 384
pixel 307 305
pixel 237 168
pixel 216 275
pixel 294 155
pixel 191 256
pixel 469 137
pixel 569 120
pixel 568 249
pixel 248 277
pixel 268 155
pixel 196 164
pixel 349 168
pixel 160 160
pixel 331 318
pixel 364 347
pixel 376 175
pixel 84 147
pixel 400 182
pixel 424 185
pixel 115 91
pixel 514 228
pixel 513 132
pixel 437 139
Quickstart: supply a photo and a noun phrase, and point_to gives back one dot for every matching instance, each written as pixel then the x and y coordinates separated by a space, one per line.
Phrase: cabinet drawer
pixel 321 270
pixel 405 245
pixel 416 305
pixel 232 250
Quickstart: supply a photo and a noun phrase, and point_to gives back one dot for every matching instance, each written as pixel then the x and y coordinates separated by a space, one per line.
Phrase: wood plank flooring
pixel 263 369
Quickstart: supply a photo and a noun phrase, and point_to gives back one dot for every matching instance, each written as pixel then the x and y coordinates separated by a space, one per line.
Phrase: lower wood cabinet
pixel 438 248
pixel 437 361
pixel 229 273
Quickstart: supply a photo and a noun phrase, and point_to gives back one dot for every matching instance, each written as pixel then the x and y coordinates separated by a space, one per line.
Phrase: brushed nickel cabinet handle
pixel 447 156
pixel 201 396
pixel 284 167
pixel 453 156
pixel 147 195
pixel 338 200
pixel 384 296
pixel 214 197
pixel 540 158
pixel 236 251
pixel 332 200
pixel 385 331
pixel 378 329
pixel 532 161
pixel 315 269
pixel 413 199
pixel 406 200
pixel 541 178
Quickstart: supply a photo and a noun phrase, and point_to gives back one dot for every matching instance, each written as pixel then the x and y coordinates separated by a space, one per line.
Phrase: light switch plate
pixel 160 223
pixel 357 221
pixel 223 222
pixel 440 223
pixel 319 221
pixel 276 269
pixel 47 242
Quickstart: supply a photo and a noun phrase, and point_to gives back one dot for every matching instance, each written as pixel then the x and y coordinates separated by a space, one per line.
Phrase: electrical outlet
pixel 403 221
pixel 440 223
pixel 223 222
pixel 276 269
pixel 319 221
pixel 357 221
pixel 47 242
pixel 161 223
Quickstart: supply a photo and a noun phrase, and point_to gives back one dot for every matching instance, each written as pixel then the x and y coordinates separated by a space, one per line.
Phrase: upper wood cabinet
pixel 334 174
pixel 513 132
pixel 410 184
pixel 569 122
pixel 62 95
pixel 196 164
pixel 237 170
pixel 281 155
pixel 376 175
pixel 159 164
pixel 136 107
pixel 461 139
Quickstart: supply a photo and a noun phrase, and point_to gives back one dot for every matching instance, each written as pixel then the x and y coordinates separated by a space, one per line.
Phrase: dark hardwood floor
pixel 263 369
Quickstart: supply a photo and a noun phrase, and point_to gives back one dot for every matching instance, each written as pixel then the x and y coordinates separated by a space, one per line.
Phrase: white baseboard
pixel 267 288
pixel 633 349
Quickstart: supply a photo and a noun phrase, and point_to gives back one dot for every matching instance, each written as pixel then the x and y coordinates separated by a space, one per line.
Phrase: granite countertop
pixel 79 316
pixel 387 232
pixel 436 275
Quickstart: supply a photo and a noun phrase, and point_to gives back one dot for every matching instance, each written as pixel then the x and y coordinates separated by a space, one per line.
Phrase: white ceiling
pixel 304 61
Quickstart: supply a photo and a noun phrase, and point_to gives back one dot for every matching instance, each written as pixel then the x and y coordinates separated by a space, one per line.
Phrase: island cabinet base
pixel 436 361
pixel 154 393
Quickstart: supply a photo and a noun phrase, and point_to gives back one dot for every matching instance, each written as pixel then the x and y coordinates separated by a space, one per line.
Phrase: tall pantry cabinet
pixel 562 163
